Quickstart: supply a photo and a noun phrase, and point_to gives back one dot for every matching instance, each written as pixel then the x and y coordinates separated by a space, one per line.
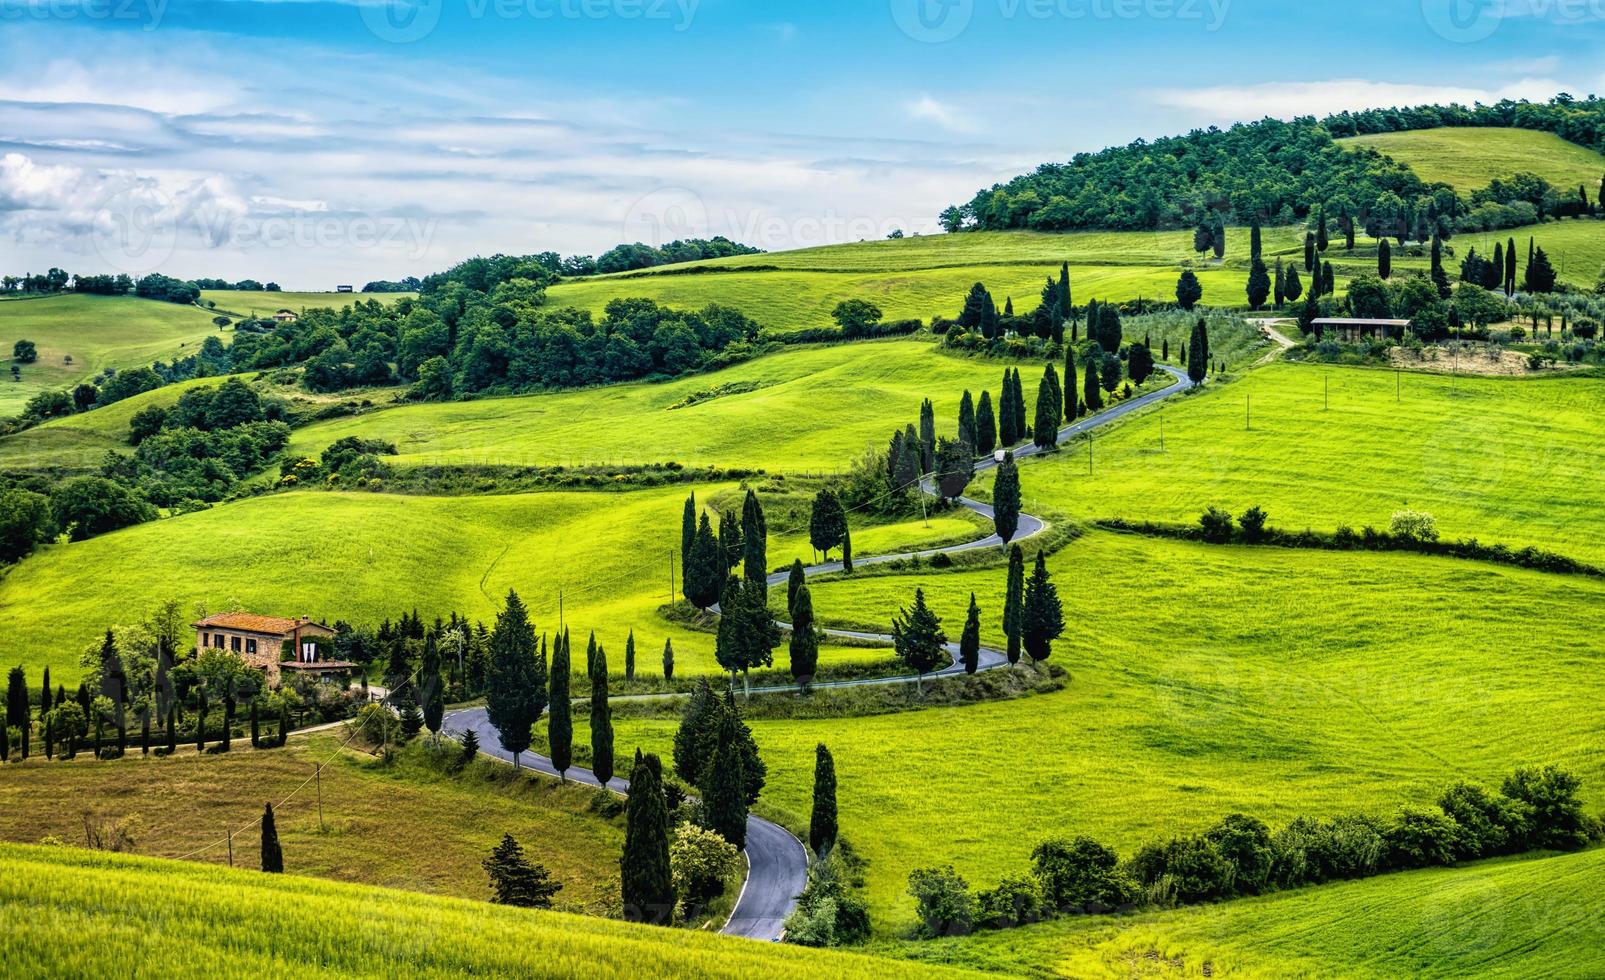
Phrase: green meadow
pixel 599 559
pixel 1507 461
pixel 241 923
pixel 95 333
pixel 1205 681
pixel 803 410
pixel 1498 919
pixel 263 304
pixel 1470 158
pixel 80 442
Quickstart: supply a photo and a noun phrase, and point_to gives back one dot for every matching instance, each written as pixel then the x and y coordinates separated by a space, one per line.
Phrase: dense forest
pixel 1283 173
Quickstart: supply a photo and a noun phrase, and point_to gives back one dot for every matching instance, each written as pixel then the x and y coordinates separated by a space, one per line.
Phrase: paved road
pixel 777 862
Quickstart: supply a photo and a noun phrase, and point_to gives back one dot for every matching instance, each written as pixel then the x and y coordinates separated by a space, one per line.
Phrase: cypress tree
pixel 515 880
pixel 1006 499
pixel 515 695
pixel 172 728
pixel 1007 436
pixel 1440 278
pixel 17 710
pixel 50 739
pixel 1045 432
pixel 144 730
pixel 434 688
pixel 646 882
pixel 1091 393
pixel 1041 616
pixel 794 581
pixel 284 724
pixel 1019 406
pixel 629 657
pixel 724 788
pixel 1164 352
pixel 590 656
pixel 272 854
pixel 1280 284
pixel 559 721
pixel 1510 267
pixel 1321 240
pixel 847 546
pixel 822 822
pixel 668 660
pixel 986 427
pixel 601 722
pixel 1498 272
pixel 1072 390
pixel 1309 251
pixel 703 575
pixel 5 743
pixel 919 639
pixel 200 721
pixel 1198 352
pixel 688 531
pixel 1294 287
pixel 1328 280
pixel 804 638
pixel 1259 284
pixel 755 542
pixel 970 641
pixel 927 436
pixel 730 545
pixel 967 421
pixel 1065 305
pixel 1256 244
pixel 256 728
pixel 44 696
pixel 1384 259
pixel 1014 602
pixel 695 733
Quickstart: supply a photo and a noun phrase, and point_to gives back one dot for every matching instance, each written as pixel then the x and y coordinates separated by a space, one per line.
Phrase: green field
pixel 263 304
pixel 1205 681
pixel 66 912
pixel 96 332
pixel 365 557
pixel 1499 919
pixel 1513 462
pixel 1468 159
pixel 794 300
pixel 407 824
pixel 811 410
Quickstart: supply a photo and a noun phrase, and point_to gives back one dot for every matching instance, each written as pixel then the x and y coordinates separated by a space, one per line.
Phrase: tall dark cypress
pixel 1041 615
pixel 1006 499
pixel 17 710
pixel 601 721
pixel 1091 392
pixel 822 822
pixel 1019 406
pixel 629 657
pixel 1384 259
pixel 1066 306
pixel 1007 436
pixel 515 687
pixel 1309 251
pixel 1072 389
pixel 560 721
pixel 668 660
pixel 986 426
pixel 1198 352
pixel 1510 267
pixel 1045 428
pixel 1014 601
pixel 754 542
pixel 804 647
pixel 970 640
pixel 794 582
pixel 688 531
pixel 967 420
pixel 646 882
pixel 927 436
pixel 724 789
pixel 272 854
pixel 730 543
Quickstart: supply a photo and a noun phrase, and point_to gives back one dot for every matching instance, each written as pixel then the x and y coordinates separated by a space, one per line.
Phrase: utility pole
pixel 319 773
pixel 231 848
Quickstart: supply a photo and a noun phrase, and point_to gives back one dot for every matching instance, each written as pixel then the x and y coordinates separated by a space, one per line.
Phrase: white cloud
pixel 943 115
pixel 1288 99
pixel 1527 66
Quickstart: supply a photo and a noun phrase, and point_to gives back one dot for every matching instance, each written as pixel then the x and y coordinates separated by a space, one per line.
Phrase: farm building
pixel 272 644
pixel 285 316
pixel 1350 330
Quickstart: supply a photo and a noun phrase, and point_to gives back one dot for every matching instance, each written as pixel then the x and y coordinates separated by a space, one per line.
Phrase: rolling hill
pixel 264 304
pixel 1469 158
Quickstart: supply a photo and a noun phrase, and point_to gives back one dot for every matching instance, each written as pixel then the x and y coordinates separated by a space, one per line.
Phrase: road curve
pixel 777 862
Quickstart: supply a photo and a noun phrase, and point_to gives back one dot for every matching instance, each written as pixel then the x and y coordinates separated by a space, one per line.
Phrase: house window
pixel 250 646
pixel 235 645
pixel 217 640
pixel 309 653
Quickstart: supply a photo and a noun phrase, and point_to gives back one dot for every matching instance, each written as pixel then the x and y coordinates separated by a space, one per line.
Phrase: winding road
pixel 777 862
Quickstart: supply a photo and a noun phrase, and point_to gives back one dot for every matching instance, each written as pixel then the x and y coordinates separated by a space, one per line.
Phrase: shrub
pixel 1349 847
pixel 1183 871
pixel 1217 525
pixel 1489 824
pixel 1414 526
pixel 1014 902
pixel 828 913
pixel 1246 844
pixel 1558 821
pixel 700 862
pixel 943 900
pixel 1420 837
pixel 1080 875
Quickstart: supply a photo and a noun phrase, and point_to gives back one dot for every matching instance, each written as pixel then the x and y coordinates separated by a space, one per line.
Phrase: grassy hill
pixel 406 825
pixel 263 304
pixel 1499 919
pixel 55 921
pixel 1470 158
pixel 1205 681
pixel 96 332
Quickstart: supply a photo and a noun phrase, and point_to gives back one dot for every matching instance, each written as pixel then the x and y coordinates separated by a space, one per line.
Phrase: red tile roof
pixel 252 623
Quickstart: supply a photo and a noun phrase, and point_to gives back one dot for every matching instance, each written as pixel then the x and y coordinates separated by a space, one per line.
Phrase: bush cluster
pixel 1535 809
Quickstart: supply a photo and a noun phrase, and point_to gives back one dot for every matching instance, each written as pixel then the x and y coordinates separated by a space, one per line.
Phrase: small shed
pixel 1352 330
pixel 285 316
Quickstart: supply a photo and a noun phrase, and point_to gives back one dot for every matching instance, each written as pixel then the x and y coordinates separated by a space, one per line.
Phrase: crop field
pixel 1512 462
pixel 1205 681
pixel 364 557
pixel 1469 159
pixel 263 304
pixel 806 410
pixel 96 332
pixel 404 825
pixel 793 300
pixel 1497 919
pixel 240 923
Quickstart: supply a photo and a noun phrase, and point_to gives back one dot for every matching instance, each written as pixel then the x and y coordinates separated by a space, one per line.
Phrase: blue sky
pixel 319 142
